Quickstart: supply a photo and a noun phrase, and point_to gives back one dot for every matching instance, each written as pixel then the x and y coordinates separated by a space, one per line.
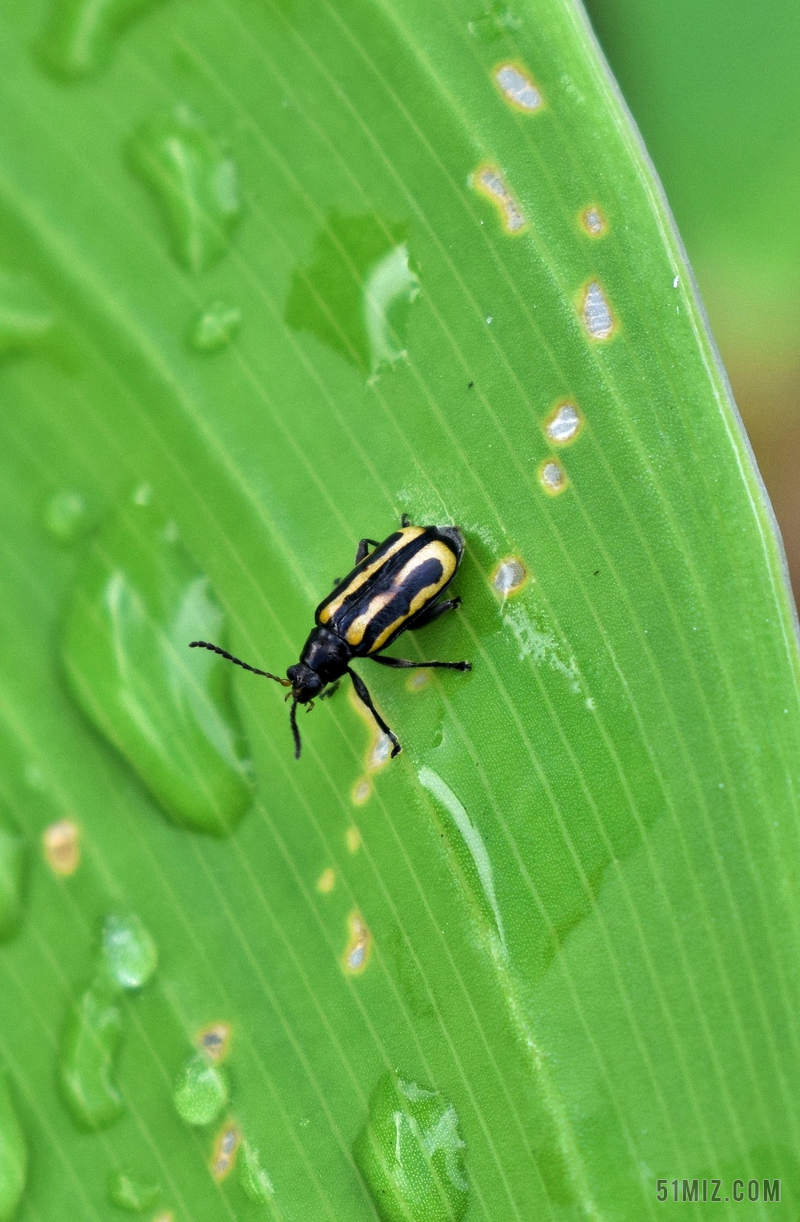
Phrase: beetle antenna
pixel 238 661
pixel 295 731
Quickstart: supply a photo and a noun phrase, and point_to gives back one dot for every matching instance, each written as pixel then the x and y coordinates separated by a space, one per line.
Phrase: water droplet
pixel 13 871
pixel 131 1194
pixel 468 849
pixel 214 1041
pixel 494 23
pixel 411 1154
pixel 201 1091
pixel 357 293
pixel 138 602
pixel 326 881
pixel 128 954
pixel 26 320
pixel 81 34
pixel 62 847
pixel 13 1155
pixel 509 576
pixel 253 1178
pixel 356 955
pixel 517 87
pixel 223 1155
pixel 87 1060
pixel 552 477
pixel 65 516
pixel 194 182
pixel 563 424
pixel 490 182
pixel 593 221
pixel 215 327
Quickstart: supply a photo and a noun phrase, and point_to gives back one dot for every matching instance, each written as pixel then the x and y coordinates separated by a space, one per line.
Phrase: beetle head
pixel 306 683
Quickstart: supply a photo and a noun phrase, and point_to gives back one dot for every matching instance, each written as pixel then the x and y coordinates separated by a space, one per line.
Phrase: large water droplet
pixel 254 1179
pixel 194 182
pixel 65 516
pixel 358 291
pixel 87 1060
pixel 138 602
pixel 215 327
pixel 201 1091
pixel 26 320
pixel 81 34
pixel 13 1155
pixel 129 954
pixel 13 870
pixel 126 1192
pixel 411 1155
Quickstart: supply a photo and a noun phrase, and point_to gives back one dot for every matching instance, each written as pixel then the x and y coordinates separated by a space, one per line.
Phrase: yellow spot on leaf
pixel 62 847
pixel 326 881
pixel 356 955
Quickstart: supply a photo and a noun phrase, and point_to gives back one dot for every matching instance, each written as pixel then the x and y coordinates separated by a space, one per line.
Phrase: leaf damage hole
pixel 361 791
pixel 510 576
pixel 490 182
pixel 517 87
pixel 593 222
pixel 326 881
pixel 563 424
pixel 417 682
pixel 223 1155
pixel 62 847
pixel 356 955
pixel 552 477
pixel 597 312
pixel 214 1040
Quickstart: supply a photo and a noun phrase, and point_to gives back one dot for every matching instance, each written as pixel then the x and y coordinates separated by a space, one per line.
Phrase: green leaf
pixel 562 924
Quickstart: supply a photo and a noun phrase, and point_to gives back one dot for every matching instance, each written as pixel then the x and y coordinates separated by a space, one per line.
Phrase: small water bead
pixel 253 1178
pixel 215 327
pixel 411 1155
pixel 357 294
pixel 494 23
pixel 13 872
pixel 27 324
pixel 81 34
pixel 61 842
pixel 201 1091
pixel 138 601
pixel 130 1194
pixel 194 182
pixel 13 1155
pixel 87 1060
pixel 129 954
pixel 65 516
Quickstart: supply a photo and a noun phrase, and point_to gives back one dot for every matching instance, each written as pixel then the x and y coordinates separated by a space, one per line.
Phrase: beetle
pixel 395 588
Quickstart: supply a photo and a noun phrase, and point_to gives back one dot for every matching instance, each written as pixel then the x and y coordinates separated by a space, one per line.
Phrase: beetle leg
pixel 326 695
pixel 364 696
pixel 404 664
pixel 363 549
pixel 405 521
pixel 431 613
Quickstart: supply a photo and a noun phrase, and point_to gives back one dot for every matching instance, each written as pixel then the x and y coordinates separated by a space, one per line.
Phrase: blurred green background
pixel 714 86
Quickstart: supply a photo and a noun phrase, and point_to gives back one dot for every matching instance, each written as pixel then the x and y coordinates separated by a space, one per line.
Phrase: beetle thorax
pixel 324 660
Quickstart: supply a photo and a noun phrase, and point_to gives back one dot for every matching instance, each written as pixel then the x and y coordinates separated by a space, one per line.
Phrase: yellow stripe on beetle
pixel 407 533
pixel 432 551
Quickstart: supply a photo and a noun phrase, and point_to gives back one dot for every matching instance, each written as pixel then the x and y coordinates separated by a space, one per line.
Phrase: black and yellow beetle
pixel 392 589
